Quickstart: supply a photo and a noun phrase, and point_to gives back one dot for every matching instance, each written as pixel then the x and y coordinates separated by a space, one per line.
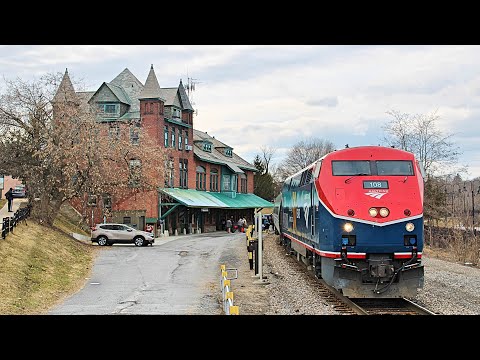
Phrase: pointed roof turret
pixel 66 92
pixel 184 97
pixel 151 90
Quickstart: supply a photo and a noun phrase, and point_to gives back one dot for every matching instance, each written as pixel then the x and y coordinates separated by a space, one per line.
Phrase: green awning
pixel 205 199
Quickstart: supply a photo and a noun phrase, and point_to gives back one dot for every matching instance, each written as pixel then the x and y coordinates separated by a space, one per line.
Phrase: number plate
pixel 379 184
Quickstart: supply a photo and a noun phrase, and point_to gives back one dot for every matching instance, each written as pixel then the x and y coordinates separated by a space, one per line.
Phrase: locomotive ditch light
pixel 384 212
pixel 373 212
pixel 409 227
pixel 348 227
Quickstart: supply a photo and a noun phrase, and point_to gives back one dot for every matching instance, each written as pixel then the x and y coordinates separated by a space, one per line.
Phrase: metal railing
pixel 227 293
pixel 9 223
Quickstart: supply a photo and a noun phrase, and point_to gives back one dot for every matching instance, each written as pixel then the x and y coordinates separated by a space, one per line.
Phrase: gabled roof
pixel 131 85
pixel 151 90
pixel 121 94
pixel 235 163
pixel 169 95
pixel 65 91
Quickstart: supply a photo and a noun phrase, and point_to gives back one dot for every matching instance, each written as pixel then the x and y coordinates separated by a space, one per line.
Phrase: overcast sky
pixel 249 96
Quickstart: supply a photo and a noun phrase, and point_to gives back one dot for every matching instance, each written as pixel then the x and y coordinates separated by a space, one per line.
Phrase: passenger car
pixel 19 191
pixel 109 234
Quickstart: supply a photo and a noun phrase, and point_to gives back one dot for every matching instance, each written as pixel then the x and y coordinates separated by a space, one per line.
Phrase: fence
pixel 227 294
pixel 9 223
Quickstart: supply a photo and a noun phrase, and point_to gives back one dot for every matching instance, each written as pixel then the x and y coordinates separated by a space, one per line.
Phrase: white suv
pixel 108 234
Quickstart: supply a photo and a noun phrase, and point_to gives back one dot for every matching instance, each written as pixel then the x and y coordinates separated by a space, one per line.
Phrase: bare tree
pixel 302 154
pixel 419 134
pixel 61 152
pixel 267 154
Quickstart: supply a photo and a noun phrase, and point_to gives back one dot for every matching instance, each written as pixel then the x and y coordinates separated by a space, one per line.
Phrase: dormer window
pixel 207 147
pixel 108 109
pixel 176 113
pixel 228 152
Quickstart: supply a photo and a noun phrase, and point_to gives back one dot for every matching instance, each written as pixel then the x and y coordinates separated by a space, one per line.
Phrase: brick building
pixel 205 181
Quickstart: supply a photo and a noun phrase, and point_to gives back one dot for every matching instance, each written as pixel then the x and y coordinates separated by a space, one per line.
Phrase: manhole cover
pixel 183 253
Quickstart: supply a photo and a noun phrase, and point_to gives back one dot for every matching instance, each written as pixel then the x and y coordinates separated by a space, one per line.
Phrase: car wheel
pixel 102 240
pixel 138 241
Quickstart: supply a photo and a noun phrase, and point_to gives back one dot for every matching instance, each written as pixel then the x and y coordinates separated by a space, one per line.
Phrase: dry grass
pixel 2 202
pixel 40 266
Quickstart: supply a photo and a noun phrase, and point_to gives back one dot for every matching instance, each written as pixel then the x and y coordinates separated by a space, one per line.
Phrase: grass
pixel 40 266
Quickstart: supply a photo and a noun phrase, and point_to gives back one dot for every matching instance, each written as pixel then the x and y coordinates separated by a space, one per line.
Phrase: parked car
pixel 109 234
pixel 19 191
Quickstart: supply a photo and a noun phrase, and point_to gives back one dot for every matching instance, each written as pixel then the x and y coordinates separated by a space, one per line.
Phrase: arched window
pixel 200 178
pixel 213 180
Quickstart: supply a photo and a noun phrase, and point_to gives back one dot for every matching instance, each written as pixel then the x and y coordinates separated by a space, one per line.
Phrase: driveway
pixel 177 275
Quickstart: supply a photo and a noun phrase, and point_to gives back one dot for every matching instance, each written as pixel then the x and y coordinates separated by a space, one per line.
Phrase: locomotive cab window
pixel 394 167
pixel 351 168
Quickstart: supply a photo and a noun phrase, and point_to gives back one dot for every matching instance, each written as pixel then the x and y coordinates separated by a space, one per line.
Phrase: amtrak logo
pixel 377 194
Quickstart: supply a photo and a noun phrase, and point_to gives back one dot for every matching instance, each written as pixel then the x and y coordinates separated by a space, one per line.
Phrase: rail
pixel 227 293
pixel 9 223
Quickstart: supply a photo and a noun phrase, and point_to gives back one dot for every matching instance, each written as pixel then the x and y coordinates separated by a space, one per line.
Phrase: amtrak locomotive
pixel 356 217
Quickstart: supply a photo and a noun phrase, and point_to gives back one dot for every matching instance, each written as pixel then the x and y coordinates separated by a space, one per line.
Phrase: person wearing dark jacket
pixel 9 197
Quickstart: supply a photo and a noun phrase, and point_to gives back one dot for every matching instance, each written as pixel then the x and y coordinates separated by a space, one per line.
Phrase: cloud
pixel 328 101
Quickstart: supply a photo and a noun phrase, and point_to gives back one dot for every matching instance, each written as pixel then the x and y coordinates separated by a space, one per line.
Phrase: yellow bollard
pixel 224 273
pixel 234 310
pixel 229 295
pixel 226 283
pixel 222 267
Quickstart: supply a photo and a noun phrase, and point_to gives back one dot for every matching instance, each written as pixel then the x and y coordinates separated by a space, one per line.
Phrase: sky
pixel 249 96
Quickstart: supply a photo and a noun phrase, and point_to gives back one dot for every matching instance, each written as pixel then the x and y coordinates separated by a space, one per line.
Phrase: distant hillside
pixel 41 266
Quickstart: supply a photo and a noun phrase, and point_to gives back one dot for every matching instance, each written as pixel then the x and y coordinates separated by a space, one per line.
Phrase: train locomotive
pixel 355 217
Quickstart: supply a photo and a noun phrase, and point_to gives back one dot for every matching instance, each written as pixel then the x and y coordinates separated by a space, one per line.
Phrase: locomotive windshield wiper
pixel 359 174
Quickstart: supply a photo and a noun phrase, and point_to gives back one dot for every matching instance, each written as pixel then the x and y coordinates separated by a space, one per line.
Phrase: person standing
pixel 229 225
pixel 9 197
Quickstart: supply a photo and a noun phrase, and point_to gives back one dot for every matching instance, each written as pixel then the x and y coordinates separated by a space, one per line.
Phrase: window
pixel 350 168
pixel 228 152
pixel 186 137
pixel 183 173
pixel 165 135
pixel 176 113
pixel 150 110
pixel 173 137
pixel 213 180
pixel 169 173
pixel 135 133
pixel 114 131
pixel 107 201
pixel 92 200
pixel 108 109
pixel 226 183
pixel 135 172
pixel 207 147
pixel 200 178
pixel 243 183
pixel 127 220
pixel 234 183
pixel 161 108
pixel 180 140
pixel 394 167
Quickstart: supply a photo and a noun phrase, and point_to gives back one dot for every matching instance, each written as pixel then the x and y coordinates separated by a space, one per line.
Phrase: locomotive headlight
pixel 348 227
pixel 409 227
pixel 384 212
pixel 373 212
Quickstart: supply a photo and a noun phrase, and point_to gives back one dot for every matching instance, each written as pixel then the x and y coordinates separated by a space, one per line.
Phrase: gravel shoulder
pixel 450 288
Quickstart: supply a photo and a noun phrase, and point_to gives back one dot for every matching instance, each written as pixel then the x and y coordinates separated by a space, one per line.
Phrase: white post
pixel 260 252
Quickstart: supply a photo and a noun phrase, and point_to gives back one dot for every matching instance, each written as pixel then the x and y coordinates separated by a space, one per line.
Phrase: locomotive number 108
pixel 375 184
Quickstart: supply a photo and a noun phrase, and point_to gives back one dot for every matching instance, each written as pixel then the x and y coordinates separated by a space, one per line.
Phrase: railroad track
pixel 360 306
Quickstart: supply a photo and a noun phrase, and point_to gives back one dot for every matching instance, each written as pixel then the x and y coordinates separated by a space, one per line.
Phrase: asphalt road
pixel 178 275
